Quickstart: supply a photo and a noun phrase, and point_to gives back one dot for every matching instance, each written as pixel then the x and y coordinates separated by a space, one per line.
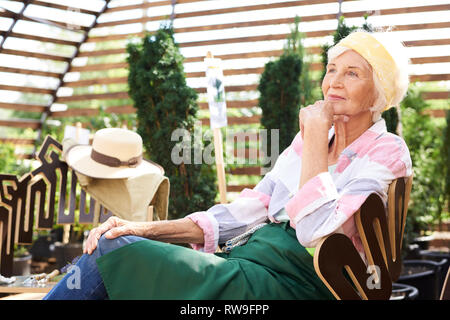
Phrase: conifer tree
pixel 164 103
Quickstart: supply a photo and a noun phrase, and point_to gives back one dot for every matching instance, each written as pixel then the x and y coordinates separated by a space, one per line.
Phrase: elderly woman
pixel 341 155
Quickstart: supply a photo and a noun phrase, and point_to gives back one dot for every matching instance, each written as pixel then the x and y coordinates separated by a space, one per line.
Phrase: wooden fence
pixel 244 35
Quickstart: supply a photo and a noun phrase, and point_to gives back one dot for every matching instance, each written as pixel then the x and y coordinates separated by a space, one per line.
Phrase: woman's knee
pixel 107 245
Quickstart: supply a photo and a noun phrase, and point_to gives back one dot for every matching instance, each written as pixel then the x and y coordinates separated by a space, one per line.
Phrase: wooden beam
pixel 436 95
pixel 239 188
pixel 30 54
pixel 96 81
pixel 430 77
pixel 26 89
pixel 436 59
pixel 30 72
pixel 62 7
pixel 23 107
pixel 437 113
pixel 94 96
pixel 18 141
pixel 99 67
pixel 21 123
pixel 246 171
pixel 431 42
pixel 43 39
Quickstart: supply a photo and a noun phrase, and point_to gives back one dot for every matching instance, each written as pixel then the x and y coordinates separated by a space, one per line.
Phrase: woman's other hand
pixel 318 116
pixel 113 228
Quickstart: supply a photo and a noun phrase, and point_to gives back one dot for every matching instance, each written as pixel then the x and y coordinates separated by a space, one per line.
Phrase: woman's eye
pixel 330 70
pixel 353 74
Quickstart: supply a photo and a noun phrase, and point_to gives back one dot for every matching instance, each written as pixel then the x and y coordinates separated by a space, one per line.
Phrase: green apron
pixel 271 265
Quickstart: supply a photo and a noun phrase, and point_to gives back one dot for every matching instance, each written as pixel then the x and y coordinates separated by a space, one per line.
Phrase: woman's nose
pixel 336 81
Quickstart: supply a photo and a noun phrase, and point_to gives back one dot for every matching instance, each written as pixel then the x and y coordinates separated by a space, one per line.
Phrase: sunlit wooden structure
pixel 75 57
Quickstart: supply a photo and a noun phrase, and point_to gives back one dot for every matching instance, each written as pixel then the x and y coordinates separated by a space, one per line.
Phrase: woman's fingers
pixel 117 232
pixel 96 233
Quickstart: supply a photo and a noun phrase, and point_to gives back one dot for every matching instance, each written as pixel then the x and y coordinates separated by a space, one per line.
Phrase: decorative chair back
pixel 340 266
pixel 36 194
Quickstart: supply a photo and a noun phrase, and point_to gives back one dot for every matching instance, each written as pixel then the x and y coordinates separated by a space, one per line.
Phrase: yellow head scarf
pixel 379 58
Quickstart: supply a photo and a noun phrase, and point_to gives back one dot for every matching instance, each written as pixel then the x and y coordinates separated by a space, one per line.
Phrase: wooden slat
pixel 99 53
pixel 96 81
pixel 42 39
pixel 73 27
pixel 239 188
pixel 431 42
pixel 165 3
pixel 99 67
pixel 18 141
pixel 30 72
pixel 436 95
pixel 237 120
pixel 233 104
pixel 26 89
pixel 35 55
pixel 430 77
pixel 23 107
pixel 95 96
pixel 62 7
pixel 144 5
pixel 436 59
pixel 21 123
pixel 439 113
pixel 247 171
pixel 272 6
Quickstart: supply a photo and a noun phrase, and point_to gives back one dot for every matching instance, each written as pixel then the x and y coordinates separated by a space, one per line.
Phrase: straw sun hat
pixel 115 154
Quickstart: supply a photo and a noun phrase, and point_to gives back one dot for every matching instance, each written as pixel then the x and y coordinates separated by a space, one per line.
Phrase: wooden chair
pixel 48 194
pixel 340 266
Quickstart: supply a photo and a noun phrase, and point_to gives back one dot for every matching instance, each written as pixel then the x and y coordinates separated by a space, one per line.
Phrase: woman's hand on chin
pixel 317 117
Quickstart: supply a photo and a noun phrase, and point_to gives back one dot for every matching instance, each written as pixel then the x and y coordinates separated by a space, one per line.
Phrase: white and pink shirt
pixel 325 204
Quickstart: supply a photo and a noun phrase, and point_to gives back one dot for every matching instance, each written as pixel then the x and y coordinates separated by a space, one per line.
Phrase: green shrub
pixel 425 143
pixel 164 103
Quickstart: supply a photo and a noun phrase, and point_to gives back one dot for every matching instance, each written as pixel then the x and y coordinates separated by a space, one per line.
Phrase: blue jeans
pixel 83 281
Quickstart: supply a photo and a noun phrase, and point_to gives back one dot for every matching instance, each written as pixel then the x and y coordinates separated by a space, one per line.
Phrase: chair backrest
pixel 339 265
pixel 50 193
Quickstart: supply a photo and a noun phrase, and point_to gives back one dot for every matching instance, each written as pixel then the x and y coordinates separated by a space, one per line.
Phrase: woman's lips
pixel 333 97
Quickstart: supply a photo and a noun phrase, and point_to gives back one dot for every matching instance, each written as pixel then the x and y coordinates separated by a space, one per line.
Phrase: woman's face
pixel 348 83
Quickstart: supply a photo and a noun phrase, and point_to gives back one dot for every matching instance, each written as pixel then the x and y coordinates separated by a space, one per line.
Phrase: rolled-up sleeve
pixel 222 222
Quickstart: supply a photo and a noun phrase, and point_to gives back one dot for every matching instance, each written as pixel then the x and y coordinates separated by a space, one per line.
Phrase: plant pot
pixel 22 266
pixel 423 242
pixel 65 253
pixel 438 256
pixel 41 248
pixel 424 275
pixel 403 292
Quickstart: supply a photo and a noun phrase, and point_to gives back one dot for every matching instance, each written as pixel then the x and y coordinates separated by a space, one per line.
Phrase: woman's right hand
pixel 114 227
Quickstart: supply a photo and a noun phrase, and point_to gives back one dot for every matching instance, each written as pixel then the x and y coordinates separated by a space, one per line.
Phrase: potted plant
pixel 424 275
pixel 22 261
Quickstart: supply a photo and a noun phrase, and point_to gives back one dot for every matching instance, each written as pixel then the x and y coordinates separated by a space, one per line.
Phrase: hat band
pixel 114 162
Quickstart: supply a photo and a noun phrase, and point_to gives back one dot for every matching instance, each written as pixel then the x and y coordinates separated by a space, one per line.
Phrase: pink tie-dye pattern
pixel 385 155
pixel 314 189
pixel 208 232
pixel 350 203
pixel 250 193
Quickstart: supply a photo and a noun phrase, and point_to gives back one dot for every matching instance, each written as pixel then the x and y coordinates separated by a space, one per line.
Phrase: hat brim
pixel 79 159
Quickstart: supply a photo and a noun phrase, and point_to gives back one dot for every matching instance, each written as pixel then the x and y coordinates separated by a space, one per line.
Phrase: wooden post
pixel 66 227
pixel 218 149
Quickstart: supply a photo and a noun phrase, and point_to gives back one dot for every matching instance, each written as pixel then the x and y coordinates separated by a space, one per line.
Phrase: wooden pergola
pixel 241 32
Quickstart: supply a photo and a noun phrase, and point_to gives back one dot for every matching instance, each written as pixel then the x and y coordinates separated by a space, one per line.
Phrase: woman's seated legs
pixel 83 280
